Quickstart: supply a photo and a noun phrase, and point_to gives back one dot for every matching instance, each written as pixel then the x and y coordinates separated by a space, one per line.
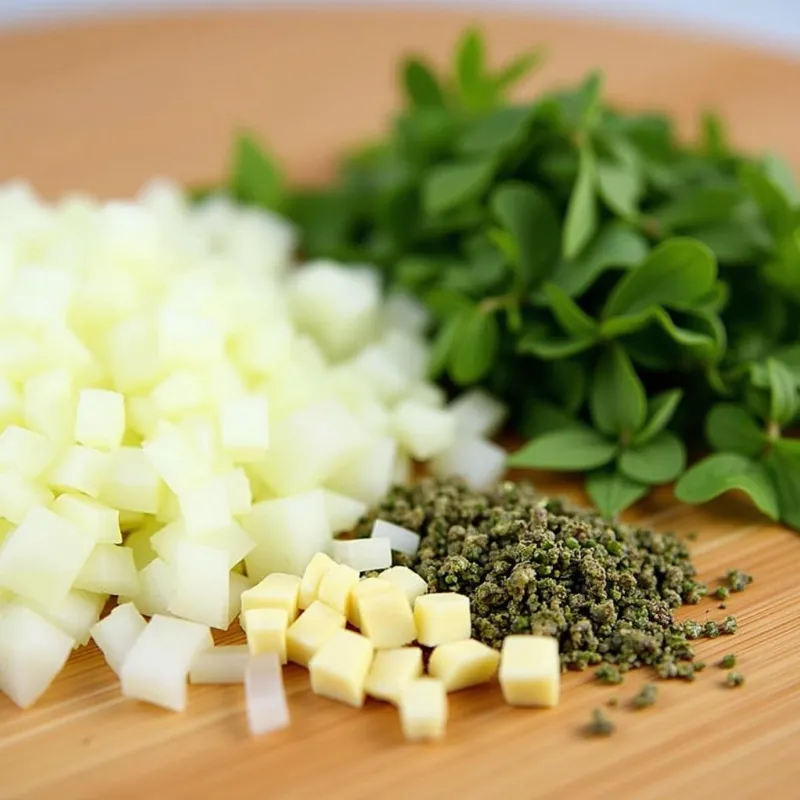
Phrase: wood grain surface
pixel 101 108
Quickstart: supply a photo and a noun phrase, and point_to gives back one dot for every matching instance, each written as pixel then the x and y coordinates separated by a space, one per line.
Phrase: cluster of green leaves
pixel 630 296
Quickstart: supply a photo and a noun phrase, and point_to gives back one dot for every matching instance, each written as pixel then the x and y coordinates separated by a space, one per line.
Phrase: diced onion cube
pixel 200 584
pixel 363 555
pixel 89 515
pixel 401 540
pixel 343 512
pixel 131 483
pixel 205 507
pixel 80 469
pixel 244 425
pixel 423 431
pixel 109 570
pixel 27 452
pixel 100 421
pixel 477 413
pixel 19 495
pixel 265 697
pixel 479 462
pixel 219 665
pixel 116 634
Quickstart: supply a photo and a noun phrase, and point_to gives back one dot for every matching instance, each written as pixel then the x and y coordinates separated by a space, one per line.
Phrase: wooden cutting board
pixel 102 108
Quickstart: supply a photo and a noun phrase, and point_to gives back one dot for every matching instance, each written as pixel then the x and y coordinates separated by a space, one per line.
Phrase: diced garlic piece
pixel 227 664
pixel 421 430
pixel 459 665
pixel 423 710
pixel 391 670
pixel 158 664
pixel 477 413
pixel 278 590
pixel 530 670
pixel 336 585
pixel 109 569
pixel 100 419
pixel 340 667
pixel 400 539
pixel 407 581
pixel 312 575
pixel 116 634
pixel 266 631
pixel 343 512
pixel 363 555
pixel 200 584
pixel 479 462
pixel 442 617
pixel 311 630
pixel 265 697
pixel 386 618
pixel 80 469
pixel 244 428
pixel 89 515
pixel 27 452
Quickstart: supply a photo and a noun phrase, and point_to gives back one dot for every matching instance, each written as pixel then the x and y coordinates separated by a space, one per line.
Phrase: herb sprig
pixel 632 297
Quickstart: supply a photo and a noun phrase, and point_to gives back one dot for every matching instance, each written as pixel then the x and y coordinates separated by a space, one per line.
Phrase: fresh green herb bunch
pixel 625 293
pixel 532 564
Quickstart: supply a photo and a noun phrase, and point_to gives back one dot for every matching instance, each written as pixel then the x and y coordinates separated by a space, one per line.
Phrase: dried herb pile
pixel 530 563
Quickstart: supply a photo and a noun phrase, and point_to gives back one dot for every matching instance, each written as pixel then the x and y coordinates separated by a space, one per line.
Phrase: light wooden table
pixel 103 108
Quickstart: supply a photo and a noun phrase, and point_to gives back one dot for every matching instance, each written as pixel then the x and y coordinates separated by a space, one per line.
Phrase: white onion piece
pixel 265 697
pixel 363 555
pixel 479 462
pixel 343 512
pixel 400 539
pixel 116 634
pixel 478 413
pixel 226 664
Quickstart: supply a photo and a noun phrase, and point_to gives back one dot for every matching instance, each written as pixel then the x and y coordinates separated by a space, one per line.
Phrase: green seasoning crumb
pixel 722 606
pixel 738 580
pixel 728 661
pixel 608 673
pixel 734 679
pixel 693 630
pixel 722 593
pixel 534 564
pixel 646 696
pixel 699 666
pixel 711 629
pixel 613 702
pixel 728 626
pixel 600 724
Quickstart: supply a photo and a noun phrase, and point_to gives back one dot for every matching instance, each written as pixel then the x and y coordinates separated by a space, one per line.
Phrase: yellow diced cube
pixel 407 581
pixel 386 618
pixel 442 617
pixel 530 670
pixel 459 665
pixel 309 585
pixel 100 420
pixel 391 670
pixel 311 630
pixel 278 590
pixel 360 590
pixel 266 631
pixel 340 667
pixel 423 710
pixel 336 585
pixel 80 469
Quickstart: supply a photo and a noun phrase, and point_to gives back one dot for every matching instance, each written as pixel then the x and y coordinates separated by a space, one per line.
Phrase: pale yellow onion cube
pixel 156 584
pixel 238 584
pixel 27 452
pixel 460 665
pixel 42 557
pixel 19 495
pixel 405 313
pixel 38 296
pixel 182 393
pixel 442 617
pixel 530 670
pixel 265 695
pixel 100 419
pixel 109 569
pixel 422 431
pixel 165 540
pixel 343 512
pixel 175 458
pixel 391 670
pixel 244 428
pixel 32 652
pixel 49 404
pixel 363 555
pixel 239 491
pixel 219 665
pixel 157 666
pixel 319 564
pixel 386 618
pixel 400 539
pixel 139 541
pixel 336 585
pixel 367 476
pixel 340 667
pixel 477 413
pixel 423 710
pixel 188 339
pixel 407 581
pixel 132 355
pixel 311 630
pixel 266 631
pixel 131 482
pixel 116 634
pixel 10 402
pixel 363 588
pixel 142 417
pixel 232 539
pixel 170 509
pixel 278 590
pixel 205 507
pixel 80 469
pixel 288 531
pixel 479 462
pixel 200 584
pixel 89 515
pixel 21 356
pixel 75 613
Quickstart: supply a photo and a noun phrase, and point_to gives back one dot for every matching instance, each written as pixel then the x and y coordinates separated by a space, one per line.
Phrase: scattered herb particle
pixel 600 724
pixel 613 702
pixel 711 630
pixel 608 673
pixel 728 626
pixel 646 696
pixel 738 580
pixel 728 661
pixel 722 606
pixel 734 679
pixel 722 592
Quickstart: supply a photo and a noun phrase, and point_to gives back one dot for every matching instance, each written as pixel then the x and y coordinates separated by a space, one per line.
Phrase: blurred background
pixel 771 23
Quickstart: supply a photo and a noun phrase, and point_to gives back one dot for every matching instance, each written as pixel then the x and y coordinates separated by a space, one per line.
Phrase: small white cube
pixel 477 413
pixel 442 617
pixel 244 428
pixel 227 664
pixel 89 515
pixel 240 493
pixel 400 539
pixel 200 584
pixel 80 469
pixel 116 634
pixel 363 555
pixel 340 667
pixel 174 458
pixel 479 462
pixel 109 569
pixel 131 483
pixel 423 431
pixel 205 507
pixel 27 452
pixel 100 421
pixel 265 696
pixel 423 710
pixel 343 512
pixel 19 495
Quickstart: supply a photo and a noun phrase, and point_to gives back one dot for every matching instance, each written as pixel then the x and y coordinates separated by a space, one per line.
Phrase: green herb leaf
pixel 723 472
pixel 570 449
pixel 255 177
pixel 541 416
pixel 581 220
pixel 451 185
pixel 783 466
pixel 502 129
pixel 617 400
pixel 444 343
pixel 657 461
pixel 715 142
pixel 660 411
pixel 527 214
pixel 698 207
pixel 421 88
pixel 782 176
pixel 469 68
pixel 612 492
pixel 475 347
pixel 676 273
pixel 731 429
pixel 575 322
pixel 783 392
pixel 516 70
pixel 620 187
pixel 539 341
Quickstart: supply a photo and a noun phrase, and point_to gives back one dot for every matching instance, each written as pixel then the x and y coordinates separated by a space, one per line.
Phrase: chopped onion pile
pixel 167 380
